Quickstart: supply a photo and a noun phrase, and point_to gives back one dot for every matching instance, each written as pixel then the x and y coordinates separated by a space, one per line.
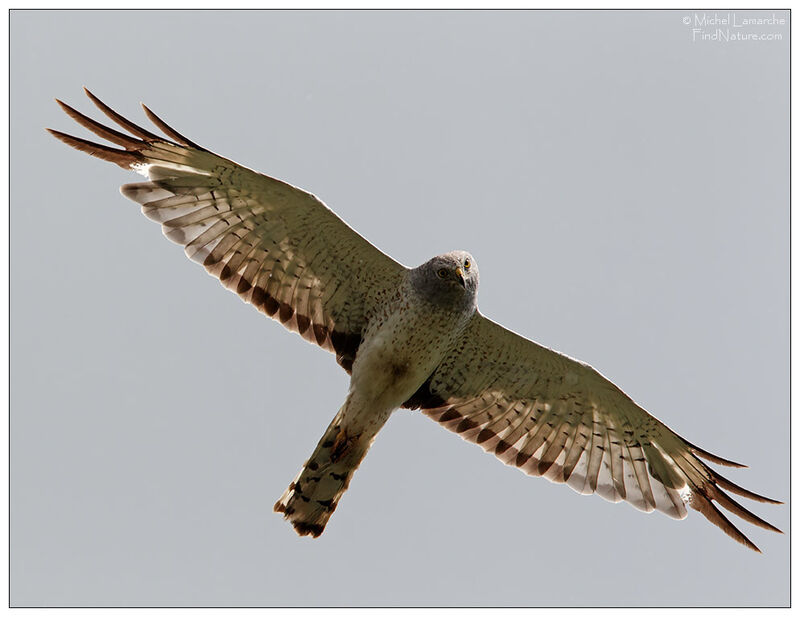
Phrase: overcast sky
pixel 624 189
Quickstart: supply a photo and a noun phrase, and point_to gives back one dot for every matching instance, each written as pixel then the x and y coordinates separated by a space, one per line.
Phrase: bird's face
pixel 456 269
pixel 451 279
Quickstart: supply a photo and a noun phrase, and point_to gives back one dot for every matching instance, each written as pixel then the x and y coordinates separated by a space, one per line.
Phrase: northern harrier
pixel 410 338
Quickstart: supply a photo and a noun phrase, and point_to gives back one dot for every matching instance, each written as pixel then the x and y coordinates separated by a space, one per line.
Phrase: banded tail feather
pixel 314 494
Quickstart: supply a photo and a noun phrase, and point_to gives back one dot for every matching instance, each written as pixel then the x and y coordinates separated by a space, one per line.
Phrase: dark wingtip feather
pixel 168 130
pixel 704 505
pixel 121 120
pixel 98 129
pixel 733 506
pixel 123 158
pixel 723 482
pixel 713 457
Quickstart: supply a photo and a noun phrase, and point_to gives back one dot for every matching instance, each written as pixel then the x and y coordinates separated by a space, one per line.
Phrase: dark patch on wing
pixel 243 287
pixel 466 425
pixel 258 297
pixel 346 346
pixel 423 398
pixel 302 323
pixel 450 414
pixel 502 446
pixel 270 305
pixel 485 435
pixel 286 312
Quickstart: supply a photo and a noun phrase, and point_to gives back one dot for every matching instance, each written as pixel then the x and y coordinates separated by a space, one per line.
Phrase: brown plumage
pixel 408 337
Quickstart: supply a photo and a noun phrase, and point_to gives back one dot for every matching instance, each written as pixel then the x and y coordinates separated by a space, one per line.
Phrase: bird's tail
pixel 310 500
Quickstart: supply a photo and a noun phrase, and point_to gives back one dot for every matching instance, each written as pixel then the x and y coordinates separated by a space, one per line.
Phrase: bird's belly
pixel 393 363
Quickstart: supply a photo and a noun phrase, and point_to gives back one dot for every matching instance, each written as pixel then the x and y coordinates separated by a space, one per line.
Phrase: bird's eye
pixel 466 264
pixel 442 273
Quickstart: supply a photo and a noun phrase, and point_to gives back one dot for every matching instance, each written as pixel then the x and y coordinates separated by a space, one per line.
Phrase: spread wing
pixel 280 248
pixel 555 417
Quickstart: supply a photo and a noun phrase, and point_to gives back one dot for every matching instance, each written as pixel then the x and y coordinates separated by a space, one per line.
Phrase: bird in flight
pixel 408 337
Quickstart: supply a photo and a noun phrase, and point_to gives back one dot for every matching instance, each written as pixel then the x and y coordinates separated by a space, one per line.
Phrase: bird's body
pixel 406 338
pixel 409 338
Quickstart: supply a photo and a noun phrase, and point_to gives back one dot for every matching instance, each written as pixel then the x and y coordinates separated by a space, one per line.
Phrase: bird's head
pixel 449 279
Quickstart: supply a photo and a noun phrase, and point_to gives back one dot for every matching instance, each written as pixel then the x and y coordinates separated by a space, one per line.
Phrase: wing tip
pixel 713 457
pixel 706 507
pixel 124 158
pixel 168 130
pixel 92 96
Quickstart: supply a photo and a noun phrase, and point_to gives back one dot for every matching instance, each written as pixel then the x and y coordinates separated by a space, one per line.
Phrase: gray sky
pixel 623 188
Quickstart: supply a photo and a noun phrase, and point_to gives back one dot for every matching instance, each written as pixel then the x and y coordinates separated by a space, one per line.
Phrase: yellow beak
pixel 460 275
